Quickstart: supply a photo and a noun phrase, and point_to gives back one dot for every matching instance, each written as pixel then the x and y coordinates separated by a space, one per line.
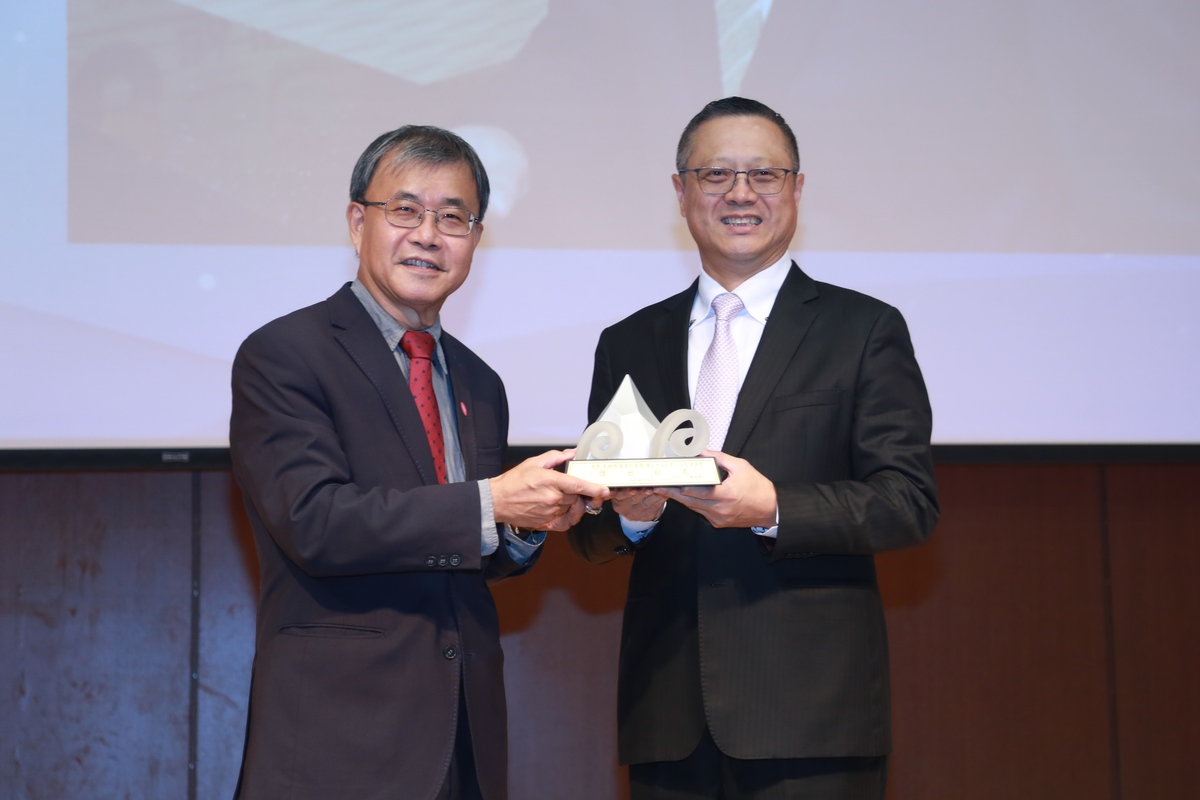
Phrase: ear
pixel 677 180
pixel 355 218
pixel 799 185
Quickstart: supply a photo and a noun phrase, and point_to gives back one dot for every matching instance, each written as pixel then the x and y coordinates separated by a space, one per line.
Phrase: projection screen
pixel 1021 180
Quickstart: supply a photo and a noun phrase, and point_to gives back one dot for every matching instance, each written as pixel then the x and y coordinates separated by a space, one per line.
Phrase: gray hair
pixel 422 144
pixel 733 107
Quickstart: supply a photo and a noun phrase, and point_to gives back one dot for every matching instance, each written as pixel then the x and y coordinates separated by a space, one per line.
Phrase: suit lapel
pixel 356 332
pixel 791 316
pixel 671 341
pixel 460 389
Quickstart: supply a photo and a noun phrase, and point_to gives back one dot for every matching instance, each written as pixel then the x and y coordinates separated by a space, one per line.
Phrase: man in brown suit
pixel 372 478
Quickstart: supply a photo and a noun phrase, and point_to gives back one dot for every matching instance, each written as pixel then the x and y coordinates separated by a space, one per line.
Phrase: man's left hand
pixel 746 498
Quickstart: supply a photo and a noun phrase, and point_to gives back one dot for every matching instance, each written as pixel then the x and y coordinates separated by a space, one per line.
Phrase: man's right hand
pixel 638 505
pixel 534 494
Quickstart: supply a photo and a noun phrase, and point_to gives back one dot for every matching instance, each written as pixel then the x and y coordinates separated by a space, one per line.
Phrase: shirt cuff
pixel 522 550
pixel 635 531
pixel 771 532
pixel 489 538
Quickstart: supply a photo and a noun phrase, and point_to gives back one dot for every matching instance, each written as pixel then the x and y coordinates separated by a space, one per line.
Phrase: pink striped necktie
pixel 717 387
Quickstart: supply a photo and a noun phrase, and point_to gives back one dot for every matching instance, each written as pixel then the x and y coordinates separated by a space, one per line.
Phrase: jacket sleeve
pixel 890 500
pixel 296 418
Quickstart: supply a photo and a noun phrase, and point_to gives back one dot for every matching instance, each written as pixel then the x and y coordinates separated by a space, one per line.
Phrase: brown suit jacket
pixel 374 604
pixel 781 650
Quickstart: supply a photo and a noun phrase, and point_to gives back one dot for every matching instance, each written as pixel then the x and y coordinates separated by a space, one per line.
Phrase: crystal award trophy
pixel 627 447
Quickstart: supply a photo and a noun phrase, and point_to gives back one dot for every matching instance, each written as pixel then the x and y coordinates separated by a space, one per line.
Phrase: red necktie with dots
pixel 420 347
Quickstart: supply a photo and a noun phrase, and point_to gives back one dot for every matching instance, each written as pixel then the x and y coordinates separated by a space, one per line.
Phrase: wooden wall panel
pixel 95 635
pixel 228 598
pixel 998 641
pixel 1002 673
pixel 561 633
pixel 1154 529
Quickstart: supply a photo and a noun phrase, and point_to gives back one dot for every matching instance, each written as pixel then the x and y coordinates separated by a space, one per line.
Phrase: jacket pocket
pixel 488 461
pixel 331 631
pixel 821 397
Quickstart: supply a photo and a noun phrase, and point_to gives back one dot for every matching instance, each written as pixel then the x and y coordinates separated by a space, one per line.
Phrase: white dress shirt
pixel 757 294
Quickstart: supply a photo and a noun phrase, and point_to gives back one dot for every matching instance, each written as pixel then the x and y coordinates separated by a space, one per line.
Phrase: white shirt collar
pixel 757 292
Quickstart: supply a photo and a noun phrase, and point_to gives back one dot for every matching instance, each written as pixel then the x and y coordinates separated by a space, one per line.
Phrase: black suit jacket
pixel 780 649
pixel 374 605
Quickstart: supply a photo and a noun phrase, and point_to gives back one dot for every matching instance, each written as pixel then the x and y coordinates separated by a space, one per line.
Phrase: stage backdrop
pixel 1019 179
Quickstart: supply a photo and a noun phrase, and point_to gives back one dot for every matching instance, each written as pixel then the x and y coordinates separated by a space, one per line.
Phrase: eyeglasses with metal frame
pixel 761 180
pixel 402 213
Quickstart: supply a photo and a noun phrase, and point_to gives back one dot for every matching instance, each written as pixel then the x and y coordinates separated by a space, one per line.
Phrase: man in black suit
pixel 754 656
pixel 368 444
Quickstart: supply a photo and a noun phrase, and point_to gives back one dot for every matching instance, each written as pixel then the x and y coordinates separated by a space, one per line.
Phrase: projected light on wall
pixel 1019 181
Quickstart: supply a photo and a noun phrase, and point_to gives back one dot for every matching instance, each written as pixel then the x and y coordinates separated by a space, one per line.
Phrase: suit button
pixel 443 561
pixel 450 652
pixel 455 560
pixel 429 562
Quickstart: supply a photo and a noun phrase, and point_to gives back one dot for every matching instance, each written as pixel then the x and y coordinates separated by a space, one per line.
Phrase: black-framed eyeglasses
pixel 450 220
pixel 762 180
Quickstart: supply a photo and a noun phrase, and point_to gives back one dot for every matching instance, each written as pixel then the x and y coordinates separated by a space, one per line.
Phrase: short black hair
pixel 733 107
pixel 423 144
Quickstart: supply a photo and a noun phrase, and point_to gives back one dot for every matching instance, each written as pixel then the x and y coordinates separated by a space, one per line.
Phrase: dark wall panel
pixel 1009 656
pixel 1154 528
pixel 95 635
pixel 561 632
pixel 228 596
pixel 998 641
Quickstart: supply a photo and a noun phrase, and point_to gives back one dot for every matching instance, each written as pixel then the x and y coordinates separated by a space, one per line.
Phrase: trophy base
pixel 636 473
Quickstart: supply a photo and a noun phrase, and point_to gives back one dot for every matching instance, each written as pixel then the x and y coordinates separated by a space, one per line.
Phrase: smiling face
pixel 739 233
pixel 411 271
